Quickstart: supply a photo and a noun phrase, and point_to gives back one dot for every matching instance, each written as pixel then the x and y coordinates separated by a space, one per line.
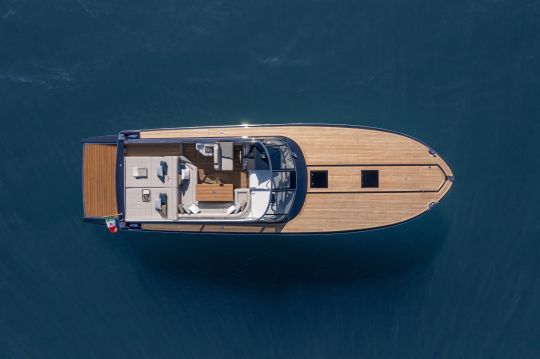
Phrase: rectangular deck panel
pixel 99 180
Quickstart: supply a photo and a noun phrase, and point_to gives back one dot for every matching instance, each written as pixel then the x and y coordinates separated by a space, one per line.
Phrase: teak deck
pixel 99 185
pixel 412 177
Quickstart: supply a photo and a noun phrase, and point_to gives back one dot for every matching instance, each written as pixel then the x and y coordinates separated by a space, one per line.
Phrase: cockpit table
pixel 213 192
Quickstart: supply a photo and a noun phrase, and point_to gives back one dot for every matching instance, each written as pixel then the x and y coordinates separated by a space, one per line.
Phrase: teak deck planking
pixel 99 184
pixel 391 178
pixel 411 177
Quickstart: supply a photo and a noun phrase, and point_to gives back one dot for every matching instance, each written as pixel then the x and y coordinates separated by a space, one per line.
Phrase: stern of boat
pixel 99 178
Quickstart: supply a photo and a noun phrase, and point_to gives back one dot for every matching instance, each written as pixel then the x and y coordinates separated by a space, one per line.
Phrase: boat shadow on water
pixel 278 262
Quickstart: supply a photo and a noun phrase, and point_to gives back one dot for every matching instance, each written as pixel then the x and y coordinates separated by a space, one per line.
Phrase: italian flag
pixel 111 224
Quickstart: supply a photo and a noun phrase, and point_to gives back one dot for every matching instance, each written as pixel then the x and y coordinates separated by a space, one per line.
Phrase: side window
pixel 370 179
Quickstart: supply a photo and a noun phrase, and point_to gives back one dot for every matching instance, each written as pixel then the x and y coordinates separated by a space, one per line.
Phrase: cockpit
pixel 248 179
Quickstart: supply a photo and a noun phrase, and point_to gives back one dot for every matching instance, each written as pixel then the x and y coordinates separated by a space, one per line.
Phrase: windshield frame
pixel 294 207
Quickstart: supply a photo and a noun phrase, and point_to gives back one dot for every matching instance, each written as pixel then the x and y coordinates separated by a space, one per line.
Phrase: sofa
pixel 219 209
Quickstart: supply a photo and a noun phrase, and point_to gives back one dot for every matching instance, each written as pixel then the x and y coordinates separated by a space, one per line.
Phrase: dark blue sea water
pixel 462 281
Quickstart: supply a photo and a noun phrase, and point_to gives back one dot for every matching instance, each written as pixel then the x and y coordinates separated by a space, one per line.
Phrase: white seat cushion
pixel 140 172
pixel 241 205
pixel 185 173
pixel 194 209
pixel 232 209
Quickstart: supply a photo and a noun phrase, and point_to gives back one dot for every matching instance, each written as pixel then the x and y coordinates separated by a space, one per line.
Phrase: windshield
pixel 283 182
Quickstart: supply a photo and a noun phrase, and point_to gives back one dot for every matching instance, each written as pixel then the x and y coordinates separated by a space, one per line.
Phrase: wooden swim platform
pixel 99 185
pixel 412 177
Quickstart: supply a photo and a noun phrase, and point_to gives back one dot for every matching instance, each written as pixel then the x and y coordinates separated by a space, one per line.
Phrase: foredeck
pixel 99 184
pixel 412 176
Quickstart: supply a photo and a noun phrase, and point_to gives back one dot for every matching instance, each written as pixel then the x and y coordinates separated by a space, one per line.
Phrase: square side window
pixel 370 179
pixel 318 179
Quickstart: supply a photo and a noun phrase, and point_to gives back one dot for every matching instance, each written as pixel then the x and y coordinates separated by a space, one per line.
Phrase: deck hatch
pixel 318 179
pixel 370 179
